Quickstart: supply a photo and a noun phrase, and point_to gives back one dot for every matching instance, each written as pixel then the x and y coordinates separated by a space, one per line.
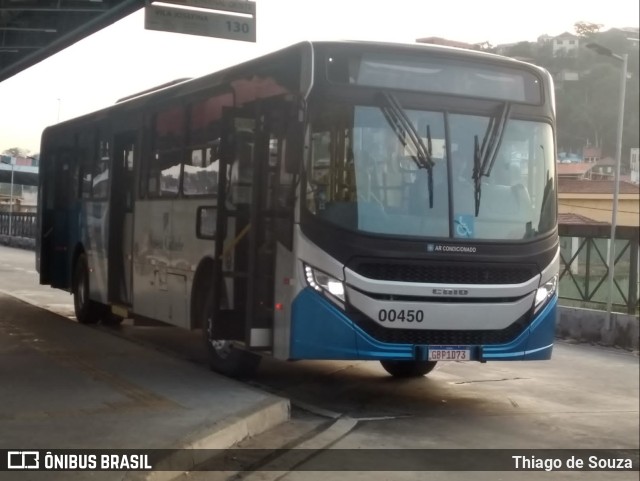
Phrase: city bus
pixel 328 201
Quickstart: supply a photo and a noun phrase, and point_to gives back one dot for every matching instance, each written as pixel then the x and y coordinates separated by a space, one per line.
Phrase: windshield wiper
pixel 484 156
pixel 403 128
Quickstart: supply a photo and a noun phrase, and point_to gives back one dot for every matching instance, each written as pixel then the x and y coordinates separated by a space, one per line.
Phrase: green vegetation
pixel 16 152
pixel 587 89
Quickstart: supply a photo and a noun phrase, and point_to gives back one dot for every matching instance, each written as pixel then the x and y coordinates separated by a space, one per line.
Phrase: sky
pixel 125 58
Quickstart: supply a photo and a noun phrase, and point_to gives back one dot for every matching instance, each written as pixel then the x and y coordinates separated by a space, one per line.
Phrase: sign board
pixel 200 22
pixel 236 6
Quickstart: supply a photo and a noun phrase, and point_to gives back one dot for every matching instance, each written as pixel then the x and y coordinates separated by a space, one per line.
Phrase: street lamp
pixel 10 197
pixel 599 49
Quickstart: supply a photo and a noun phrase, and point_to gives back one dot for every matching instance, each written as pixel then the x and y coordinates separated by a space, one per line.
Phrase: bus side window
pixel 163 174
pixel 318 171
pixel 65 193
pixel 85 161
pixel 201 168
pixel 86 178
pixel 100 182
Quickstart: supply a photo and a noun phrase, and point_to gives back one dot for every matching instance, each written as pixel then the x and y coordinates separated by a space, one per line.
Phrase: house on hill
pixel 591 154
pixel 566 45
pixel 579 171
pixel 603 169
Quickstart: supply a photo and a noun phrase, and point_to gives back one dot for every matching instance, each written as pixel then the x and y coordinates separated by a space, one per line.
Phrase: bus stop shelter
pixel 32 30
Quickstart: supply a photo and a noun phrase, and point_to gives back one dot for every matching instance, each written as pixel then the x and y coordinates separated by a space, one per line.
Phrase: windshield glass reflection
pixel 363 177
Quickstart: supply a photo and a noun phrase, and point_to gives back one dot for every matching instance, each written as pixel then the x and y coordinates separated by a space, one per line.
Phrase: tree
pixel 16 152
pixel 521 49
pixel 586 29
pixel 587 108
pixel 485 46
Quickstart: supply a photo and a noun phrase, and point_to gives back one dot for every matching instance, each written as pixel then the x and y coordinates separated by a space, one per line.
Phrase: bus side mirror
pixel 294 147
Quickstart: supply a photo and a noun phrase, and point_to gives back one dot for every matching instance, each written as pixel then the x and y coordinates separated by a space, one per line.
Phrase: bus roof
pixel 187 84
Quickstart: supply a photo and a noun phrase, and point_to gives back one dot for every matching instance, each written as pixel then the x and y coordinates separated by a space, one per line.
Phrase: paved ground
pixel 68 386
pixel 585 397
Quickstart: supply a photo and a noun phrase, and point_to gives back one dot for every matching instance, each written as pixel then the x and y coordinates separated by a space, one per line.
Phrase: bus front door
pixel 244 262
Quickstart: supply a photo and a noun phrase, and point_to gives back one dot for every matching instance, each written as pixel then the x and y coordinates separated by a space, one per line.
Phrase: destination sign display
pixel 200 22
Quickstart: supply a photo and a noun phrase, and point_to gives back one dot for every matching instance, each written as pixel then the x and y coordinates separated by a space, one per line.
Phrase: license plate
pixel 449 353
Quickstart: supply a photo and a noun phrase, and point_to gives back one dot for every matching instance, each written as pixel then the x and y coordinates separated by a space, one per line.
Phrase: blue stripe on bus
pixel 320 330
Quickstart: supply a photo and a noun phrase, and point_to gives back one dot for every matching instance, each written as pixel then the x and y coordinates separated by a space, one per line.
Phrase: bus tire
pixel 87 311
pixel 408 369
pixel 225 357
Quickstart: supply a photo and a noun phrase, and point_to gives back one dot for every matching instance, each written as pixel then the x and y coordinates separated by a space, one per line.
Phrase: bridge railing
pixel 23 224
pixel 584 268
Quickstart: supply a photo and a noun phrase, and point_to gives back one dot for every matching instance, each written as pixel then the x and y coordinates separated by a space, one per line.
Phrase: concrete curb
pixel 588 325
pixel 340 428
pixel 223 435
pixel 220 435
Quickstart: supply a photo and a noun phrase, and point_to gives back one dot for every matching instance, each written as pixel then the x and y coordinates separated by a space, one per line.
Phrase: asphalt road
pixel 586 397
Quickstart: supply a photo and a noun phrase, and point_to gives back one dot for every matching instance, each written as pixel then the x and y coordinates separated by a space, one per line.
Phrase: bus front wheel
pixel 87 311
pixel 224 356
pixel 407 369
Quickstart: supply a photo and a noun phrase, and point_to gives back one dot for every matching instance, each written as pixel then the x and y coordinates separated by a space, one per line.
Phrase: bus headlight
pixel 322 282
pixel 545 292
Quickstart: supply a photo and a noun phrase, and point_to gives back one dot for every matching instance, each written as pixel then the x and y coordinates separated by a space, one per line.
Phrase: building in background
pixel 634 166
pixel 593 199
pixel 23 195
pixel 566 45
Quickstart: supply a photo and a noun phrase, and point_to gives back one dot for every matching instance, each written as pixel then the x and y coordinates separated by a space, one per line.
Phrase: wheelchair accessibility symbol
pixel 464 226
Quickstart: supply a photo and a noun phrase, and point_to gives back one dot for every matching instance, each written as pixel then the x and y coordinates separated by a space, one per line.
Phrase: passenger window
pixel 201 168
pixel 163 174
pixel 86 179
pixel 86 159
pixel 201 174
pixel 100 180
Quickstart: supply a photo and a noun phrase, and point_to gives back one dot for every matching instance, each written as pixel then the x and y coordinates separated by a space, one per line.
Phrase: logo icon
pixel 23 460
pixel 464 226
pixel 430 247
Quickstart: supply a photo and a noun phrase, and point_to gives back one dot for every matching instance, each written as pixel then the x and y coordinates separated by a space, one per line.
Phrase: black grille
pixel 439 337
pixel 441 273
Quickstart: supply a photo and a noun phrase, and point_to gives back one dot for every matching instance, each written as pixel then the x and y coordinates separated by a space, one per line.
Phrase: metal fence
pixel 584 268
pixel 583 261
pixel 23 224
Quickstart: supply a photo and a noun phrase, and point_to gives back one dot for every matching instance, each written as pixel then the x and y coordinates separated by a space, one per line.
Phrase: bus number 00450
pixel 237 27
pixel 400 315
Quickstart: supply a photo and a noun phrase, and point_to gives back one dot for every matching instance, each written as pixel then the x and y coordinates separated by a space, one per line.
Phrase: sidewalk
pixel 65 385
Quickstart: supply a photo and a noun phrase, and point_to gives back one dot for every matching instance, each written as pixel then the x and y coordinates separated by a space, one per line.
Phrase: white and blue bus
pixel 332 200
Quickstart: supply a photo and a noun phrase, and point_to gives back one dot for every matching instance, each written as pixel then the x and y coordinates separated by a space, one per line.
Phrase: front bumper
pixel 320 330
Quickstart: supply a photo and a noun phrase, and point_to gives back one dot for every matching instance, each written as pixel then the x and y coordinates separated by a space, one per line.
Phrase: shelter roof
pixel 32 30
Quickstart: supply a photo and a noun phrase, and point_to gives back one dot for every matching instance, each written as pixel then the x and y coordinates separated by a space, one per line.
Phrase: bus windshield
pixel 362 175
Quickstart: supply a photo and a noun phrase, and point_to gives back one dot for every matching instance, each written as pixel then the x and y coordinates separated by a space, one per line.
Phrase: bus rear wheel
pixel 408 369
pixel 223 356
pixel 86 310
